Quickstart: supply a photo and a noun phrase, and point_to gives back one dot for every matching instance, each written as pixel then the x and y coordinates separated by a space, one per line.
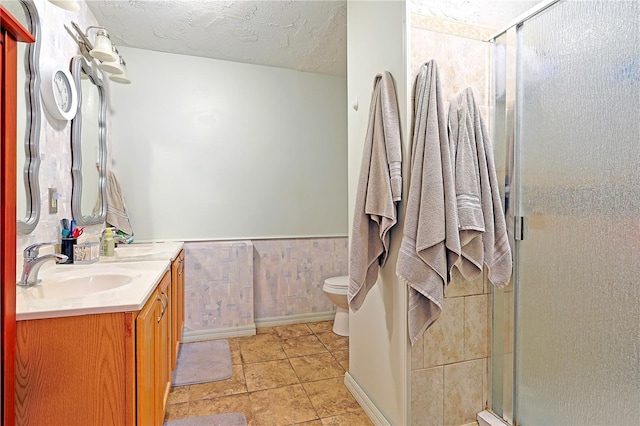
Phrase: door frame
pixel 12 32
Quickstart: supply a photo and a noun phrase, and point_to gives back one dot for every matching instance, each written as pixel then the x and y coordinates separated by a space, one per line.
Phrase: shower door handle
pixel 518 228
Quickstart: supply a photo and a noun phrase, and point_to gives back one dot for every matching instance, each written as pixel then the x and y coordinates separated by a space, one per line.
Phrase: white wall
pixel 379 347
pixel 209 149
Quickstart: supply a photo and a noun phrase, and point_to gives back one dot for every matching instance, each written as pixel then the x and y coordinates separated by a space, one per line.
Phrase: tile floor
pixel 286 375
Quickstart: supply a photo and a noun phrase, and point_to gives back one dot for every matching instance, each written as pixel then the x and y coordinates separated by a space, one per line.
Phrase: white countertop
pixel 140 273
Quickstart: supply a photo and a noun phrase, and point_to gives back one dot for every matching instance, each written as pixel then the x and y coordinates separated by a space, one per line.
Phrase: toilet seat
pixel 336 285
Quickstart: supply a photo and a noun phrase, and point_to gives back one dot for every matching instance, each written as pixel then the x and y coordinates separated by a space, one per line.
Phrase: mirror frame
pixel 33 119
pixel 79 65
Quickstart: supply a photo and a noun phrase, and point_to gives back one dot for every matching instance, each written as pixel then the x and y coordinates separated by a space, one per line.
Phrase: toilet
pixel 336 290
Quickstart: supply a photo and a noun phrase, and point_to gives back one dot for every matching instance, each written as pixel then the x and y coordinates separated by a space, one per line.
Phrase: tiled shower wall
pixel 231 285
pixel 450 364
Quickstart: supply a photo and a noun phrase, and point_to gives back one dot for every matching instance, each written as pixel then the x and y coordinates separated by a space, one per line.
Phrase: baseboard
pixel 294 319
pixel 218 333
pixel 487 418
pixel 375 415
pixel 250 330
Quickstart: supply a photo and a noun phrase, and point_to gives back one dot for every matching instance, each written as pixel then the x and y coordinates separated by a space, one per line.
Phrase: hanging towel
pixel 464 153
pixel 116 209
pixel 483 230
pixel 379 189
pixel 430 244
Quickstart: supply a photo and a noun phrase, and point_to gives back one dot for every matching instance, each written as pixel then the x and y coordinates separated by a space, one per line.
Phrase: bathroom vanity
pixel 103 357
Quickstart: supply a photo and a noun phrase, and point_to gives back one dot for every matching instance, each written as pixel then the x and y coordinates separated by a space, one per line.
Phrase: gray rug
pixel 202 362
pixel 230 419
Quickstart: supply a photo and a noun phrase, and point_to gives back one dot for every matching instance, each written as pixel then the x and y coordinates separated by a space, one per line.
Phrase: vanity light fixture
pixel 113 67
pixel 122 78
pixel 102 48
pixel 107 55
pixel 71 5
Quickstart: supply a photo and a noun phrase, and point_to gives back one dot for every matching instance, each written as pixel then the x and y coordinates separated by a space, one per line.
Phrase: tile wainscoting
pixel 230 286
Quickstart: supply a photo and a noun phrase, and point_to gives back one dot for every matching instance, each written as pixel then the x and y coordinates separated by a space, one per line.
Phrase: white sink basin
pixel 143 252
pixel 134 252
pixel 81 286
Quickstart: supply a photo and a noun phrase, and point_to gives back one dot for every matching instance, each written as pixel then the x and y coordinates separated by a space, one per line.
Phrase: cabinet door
pixel 147 341
pixel 163 354
pixel 177 305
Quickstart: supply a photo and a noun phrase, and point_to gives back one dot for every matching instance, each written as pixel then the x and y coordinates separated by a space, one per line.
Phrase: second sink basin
pixel 80 286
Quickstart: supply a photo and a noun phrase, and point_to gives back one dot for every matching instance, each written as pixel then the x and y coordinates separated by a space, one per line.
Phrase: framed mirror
pixel 28 118
pixel 89 145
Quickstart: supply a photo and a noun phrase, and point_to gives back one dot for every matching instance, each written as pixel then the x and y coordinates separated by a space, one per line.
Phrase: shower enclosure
pixel 566 340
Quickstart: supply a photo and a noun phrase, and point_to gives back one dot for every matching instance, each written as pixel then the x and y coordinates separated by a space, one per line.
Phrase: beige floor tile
pixel 225 404
pixel 270 374
pixel 316 367
pixel 333 342
pixel 303 345
pixel 234 385
pixel 234 345
pixel 330 397
pixel 177 411
pixel 282 406
pixel 262 347
pixel 178 394
pixel 289 331
pixel 343 358
pixel 310 423
pixel 321 327
pixel 356 418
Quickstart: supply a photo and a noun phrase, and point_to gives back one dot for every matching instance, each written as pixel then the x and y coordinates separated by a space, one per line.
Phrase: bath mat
pixel 229 419
pixel 202 362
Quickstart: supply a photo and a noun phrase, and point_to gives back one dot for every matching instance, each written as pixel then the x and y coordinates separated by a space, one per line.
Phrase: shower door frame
pixel 505 131
pixel 506 135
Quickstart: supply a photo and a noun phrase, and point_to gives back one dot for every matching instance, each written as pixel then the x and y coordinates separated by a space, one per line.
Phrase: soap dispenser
pixel 108 243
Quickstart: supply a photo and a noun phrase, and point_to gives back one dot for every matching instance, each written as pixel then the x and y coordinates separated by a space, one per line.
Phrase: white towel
pixel 483 230
pixel 430 245
pixel 379 188
pixel 117 215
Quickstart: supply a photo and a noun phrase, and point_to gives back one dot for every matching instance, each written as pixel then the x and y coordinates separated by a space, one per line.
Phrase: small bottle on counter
pixel 108 243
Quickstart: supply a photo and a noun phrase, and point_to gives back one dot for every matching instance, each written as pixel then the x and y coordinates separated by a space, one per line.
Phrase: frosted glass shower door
pixel 578 282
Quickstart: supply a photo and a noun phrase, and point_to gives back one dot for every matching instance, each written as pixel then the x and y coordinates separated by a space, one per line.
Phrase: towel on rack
pixel 483 230
pixel 379 189
pixel 430 244
pixel 117 215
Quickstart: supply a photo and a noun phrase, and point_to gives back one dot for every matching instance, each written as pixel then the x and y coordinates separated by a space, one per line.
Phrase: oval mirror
pixel 28 117
pixel 89 145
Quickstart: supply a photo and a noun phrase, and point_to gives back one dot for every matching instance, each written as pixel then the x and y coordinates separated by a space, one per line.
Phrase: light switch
pixel 53 200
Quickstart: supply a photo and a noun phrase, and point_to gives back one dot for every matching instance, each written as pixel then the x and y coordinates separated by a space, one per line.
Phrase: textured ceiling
pixel 301 35
pixel 493 14
pixel 304 35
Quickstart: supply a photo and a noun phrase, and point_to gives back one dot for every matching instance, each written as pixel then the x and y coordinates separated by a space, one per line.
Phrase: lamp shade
pixel 102 48
pixel 121 78
pixel 71 5
pixel 113 67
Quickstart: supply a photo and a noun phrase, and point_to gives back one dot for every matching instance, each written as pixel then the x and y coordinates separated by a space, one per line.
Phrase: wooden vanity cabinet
pixel 153 363
pixel 177 305
pixel 106 369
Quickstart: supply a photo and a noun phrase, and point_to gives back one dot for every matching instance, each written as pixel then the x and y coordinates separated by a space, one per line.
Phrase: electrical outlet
pixel 53 201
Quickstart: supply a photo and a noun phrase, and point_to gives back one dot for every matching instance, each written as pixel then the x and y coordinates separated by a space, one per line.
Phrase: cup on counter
pixel 66 247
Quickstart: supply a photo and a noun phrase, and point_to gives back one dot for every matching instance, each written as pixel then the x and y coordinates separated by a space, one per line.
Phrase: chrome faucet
pixel 32 263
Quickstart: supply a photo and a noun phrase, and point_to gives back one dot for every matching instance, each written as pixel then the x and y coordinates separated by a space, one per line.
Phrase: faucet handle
pixel 32 251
